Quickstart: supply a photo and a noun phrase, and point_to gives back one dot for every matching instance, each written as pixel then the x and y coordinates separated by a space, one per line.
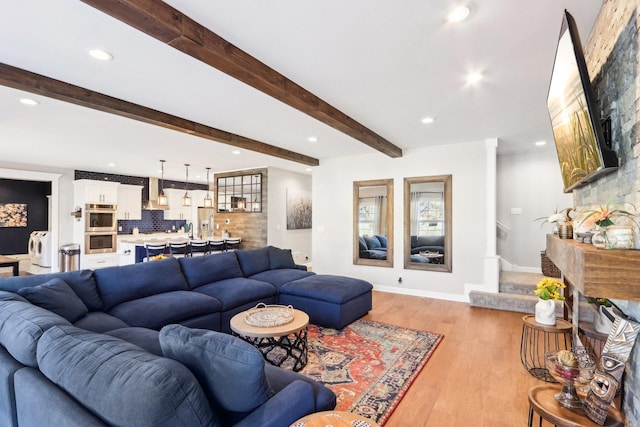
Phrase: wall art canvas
pixel 13 215
pixel 298 209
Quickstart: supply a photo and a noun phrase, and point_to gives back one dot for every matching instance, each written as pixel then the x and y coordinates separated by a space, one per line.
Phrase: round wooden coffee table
pixel 284 345
pixel 334 419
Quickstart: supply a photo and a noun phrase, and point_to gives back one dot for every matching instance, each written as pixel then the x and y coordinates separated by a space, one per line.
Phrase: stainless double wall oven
pixel 101 228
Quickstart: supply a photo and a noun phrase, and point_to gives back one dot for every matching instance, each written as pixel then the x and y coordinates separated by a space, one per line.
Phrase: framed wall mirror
pixel 427 223
pixel 241 193
pixel 373 222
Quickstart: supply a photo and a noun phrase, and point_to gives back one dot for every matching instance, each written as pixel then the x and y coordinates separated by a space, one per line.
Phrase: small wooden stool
pixel 537 339
pixel 334 419
pixel 543 403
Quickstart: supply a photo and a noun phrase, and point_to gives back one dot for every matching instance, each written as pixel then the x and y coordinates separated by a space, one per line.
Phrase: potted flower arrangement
pixel 561 221
pixel 549 291
pixel 607 236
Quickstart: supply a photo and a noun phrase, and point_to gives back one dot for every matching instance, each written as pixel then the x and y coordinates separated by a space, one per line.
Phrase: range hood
pixel 152 203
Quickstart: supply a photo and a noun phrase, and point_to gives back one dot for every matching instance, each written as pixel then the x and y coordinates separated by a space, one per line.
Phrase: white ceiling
pixel 387 64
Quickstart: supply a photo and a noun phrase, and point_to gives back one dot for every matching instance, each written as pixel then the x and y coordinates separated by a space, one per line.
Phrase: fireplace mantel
pixel 602 273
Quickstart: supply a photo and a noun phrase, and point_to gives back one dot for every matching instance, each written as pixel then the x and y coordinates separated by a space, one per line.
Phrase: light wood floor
pixel 474 378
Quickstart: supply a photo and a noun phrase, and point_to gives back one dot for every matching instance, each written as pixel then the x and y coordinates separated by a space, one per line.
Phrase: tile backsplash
pixel 151 222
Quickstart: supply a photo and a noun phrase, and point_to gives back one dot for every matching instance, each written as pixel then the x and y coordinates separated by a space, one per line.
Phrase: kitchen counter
pixel 140 239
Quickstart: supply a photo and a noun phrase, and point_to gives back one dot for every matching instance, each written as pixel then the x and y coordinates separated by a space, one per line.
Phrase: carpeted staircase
pixel 516 294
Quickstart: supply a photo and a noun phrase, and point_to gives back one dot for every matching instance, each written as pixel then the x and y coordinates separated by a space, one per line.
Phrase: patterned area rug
pixel 368 365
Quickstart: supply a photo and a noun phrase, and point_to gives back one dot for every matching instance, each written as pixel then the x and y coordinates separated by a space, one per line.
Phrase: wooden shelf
pixel 606 273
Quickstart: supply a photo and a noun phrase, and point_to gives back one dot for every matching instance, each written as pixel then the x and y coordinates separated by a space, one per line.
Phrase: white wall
pixel 333 210
pixel 299 241
pixel 530 181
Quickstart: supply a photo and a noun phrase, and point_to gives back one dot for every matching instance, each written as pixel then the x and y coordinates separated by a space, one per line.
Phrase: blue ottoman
pixel 330 301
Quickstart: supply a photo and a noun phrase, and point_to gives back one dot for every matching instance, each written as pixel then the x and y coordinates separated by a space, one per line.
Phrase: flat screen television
pixel 575 118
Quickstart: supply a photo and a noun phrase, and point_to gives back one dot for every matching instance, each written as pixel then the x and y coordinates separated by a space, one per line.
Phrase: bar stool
pixel 232 244
pixel 198 247
pixel 179 249
pixel 215 245
pixel 537 339
pixel 543 403
pixel 153 249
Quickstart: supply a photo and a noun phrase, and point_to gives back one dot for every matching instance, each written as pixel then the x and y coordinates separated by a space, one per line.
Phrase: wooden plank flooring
pixel 474 378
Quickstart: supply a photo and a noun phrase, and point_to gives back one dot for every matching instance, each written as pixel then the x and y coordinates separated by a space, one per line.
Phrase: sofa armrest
pixel 290 404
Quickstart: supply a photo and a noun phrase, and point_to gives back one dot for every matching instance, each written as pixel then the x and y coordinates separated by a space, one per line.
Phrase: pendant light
pixel 186 200
pixel 162 199
pixel 208 201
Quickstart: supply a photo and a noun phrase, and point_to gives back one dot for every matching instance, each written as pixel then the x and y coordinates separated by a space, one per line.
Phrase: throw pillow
pixel 10 296
pixel 58 297
pixel 231 371
pixel 280 258
pixel 372 242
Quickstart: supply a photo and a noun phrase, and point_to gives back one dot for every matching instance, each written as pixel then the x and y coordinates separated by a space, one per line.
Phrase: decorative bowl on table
pixel 574 370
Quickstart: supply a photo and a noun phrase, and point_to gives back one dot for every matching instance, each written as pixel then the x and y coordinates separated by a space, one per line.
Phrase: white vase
pixel 546 312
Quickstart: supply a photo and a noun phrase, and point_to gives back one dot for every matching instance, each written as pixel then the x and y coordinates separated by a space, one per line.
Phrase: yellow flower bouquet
pixel 549 288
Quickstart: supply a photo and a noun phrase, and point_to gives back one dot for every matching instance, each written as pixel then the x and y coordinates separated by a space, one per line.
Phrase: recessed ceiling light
pixel 312 139
pixel 101 55
pixel 541 143
pixel 308 169
pixel 458 14
pixel 427 120
pixel 112 165
pixel 236 152
pixel 29 101
pixel 473 78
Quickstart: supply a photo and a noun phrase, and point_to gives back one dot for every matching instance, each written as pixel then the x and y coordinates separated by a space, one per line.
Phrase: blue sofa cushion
pixel 253 261
pixel 156 311
pixel 230 370
pixel 100 322
pixel 21 326
pixel 10 296
pixel 372 242
pixel 81 281
pixel 382 240
pixel 324 399
pixel 206 269
pixel 147 339
pixel 121 383
pixel 281 276
pixel 125 283
pixel 362 244
pixel 56 296
pixel 280 258
pixel 233 293
pixel 325 287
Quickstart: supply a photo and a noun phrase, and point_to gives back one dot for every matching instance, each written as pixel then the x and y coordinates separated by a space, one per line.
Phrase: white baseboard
pixel 421 293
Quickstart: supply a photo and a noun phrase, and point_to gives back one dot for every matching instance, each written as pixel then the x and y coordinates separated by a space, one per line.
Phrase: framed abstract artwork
pixel 13 215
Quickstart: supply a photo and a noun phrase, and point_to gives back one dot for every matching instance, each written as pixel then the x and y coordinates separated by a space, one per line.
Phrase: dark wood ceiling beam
pixel 170 26
pixel 35 83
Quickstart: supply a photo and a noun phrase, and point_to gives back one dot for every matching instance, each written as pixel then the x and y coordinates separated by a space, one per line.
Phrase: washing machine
pixel 42 253
pixel 33 242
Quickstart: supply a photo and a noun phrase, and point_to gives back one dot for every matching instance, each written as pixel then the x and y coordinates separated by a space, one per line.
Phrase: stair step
pixel 520 303
pixel 513 282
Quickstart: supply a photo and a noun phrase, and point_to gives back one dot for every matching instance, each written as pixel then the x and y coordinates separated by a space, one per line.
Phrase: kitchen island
pixel 131 246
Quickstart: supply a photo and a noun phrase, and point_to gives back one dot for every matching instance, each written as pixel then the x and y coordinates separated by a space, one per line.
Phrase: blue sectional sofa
pixel 148 344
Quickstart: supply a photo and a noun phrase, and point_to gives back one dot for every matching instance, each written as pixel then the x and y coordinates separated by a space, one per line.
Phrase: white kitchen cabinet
pixel 126 253
pixel 98 261
pixel 176 210
pixel 129 201
pixel 91 191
